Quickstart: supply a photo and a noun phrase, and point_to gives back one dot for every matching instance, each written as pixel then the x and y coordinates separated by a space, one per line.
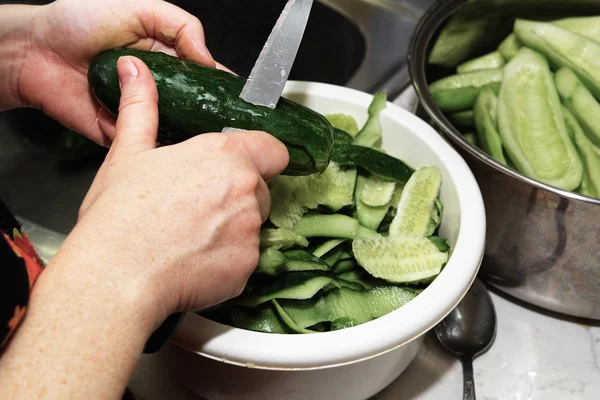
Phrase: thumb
pixel 137 123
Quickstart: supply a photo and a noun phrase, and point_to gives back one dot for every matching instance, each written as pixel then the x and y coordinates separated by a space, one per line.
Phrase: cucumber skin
pixel 195 99
pixel 373 161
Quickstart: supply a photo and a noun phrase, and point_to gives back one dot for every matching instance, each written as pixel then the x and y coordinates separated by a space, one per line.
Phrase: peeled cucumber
pixel 510 47
pixel 417 203
pixel 590 184
pixel 532 125
pixel 399 259
pixel 492 60
pixel 485 110
pixel 458 92
pixel 564 48
pixel 588 27
pixel 580 102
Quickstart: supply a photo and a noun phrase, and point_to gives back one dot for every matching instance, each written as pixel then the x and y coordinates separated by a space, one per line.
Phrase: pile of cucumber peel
pixel 352 232
pixel 346 246
pixel 533 102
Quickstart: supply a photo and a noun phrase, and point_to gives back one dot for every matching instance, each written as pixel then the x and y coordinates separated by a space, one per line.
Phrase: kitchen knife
pixel 272 69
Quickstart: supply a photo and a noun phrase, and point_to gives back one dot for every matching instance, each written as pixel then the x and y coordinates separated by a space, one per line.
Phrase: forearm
pixel 15 44
pixel 82 336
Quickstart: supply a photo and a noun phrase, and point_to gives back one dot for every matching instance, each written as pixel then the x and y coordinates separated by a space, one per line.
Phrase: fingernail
pixel 127 70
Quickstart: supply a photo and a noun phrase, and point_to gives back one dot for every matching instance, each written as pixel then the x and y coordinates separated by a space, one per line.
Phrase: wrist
pixel 16 45
pixel 110 270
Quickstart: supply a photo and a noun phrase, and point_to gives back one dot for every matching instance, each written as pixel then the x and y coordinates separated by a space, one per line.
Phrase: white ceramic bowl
pixel 221 362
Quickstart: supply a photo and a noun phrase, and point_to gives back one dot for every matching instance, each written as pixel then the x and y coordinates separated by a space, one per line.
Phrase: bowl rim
pixel 418 48
pixel 330 349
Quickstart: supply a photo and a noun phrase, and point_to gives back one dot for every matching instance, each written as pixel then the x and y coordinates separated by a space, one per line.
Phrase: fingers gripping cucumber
pixel 196 99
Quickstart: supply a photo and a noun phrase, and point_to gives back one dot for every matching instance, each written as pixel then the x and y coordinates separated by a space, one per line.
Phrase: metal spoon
pixel 469 331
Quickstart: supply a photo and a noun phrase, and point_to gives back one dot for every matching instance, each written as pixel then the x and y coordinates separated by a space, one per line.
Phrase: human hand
pixel 67 34
pixel 178 223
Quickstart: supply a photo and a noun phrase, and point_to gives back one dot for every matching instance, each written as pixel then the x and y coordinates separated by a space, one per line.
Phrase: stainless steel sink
pixel 355 43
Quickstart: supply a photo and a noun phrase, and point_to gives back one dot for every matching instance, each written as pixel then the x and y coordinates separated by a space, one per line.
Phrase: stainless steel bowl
pixel 543 244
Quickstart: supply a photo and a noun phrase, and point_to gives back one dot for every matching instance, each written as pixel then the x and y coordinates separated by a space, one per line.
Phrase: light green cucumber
pixel 344 122
pixel 377 191
pixel 590 184
pixel 399 259
pixel 564 48
pixel 588 27
pixel 281 238
pixel 491 60
pixel 327 246
pixel 368 216
pixel 532 125
pixel 471 138
pixel 417 203
pixel 510 47
pixel 370 134
pixel 458 92
pixel 485 110
pixel 332 226
pixel 580 102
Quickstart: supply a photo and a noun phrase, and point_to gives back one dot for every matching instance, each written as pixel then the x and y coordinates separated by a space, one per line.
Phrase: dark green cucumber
pixel 293 285
pixel 373 161
pixel 462 118
pixel 196 99
pixel 264 319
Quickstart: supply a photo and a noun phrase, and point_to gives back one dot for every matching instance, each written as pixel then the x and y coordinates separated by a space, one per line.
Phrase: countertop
pixel 536 356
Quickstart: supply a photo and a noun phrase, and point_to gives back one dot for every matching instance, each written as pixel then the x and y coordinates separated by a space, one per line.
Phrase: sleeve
pixel 19 268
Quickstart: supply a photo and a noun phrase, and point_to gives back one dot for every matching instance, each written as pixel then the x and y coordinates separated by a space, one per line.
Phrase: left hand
pixel 67 34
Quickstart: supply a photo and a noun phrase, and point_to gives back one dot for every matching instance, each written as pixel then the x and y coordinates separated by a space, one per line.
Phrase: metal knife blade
pixel 272 69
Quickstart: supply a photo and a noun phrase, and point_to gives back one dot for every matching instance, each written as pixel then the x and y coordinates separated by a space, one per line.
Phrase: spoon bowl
pixel 469 331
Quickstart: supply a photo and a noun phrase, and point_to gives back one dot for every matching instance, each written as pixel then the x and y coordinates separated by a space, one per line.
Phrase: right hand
pixel 179 223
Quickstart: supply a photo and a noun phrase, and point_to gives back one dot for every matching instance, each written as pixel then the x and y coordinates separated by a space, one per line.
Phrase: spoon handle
pixel 469 380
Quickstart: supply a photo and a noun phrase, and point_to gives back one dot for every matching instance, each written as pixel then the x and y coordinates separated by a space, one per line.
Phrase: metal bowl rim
pixel 434 17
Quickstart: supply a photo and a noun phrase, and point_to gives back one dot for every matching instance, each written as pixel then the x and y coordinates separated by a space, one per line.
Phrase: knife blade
pixel 272 68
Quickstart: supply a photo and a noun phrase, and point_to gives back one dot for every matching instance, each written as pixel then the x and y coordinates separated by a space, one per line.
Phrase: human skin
pixel 161 229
